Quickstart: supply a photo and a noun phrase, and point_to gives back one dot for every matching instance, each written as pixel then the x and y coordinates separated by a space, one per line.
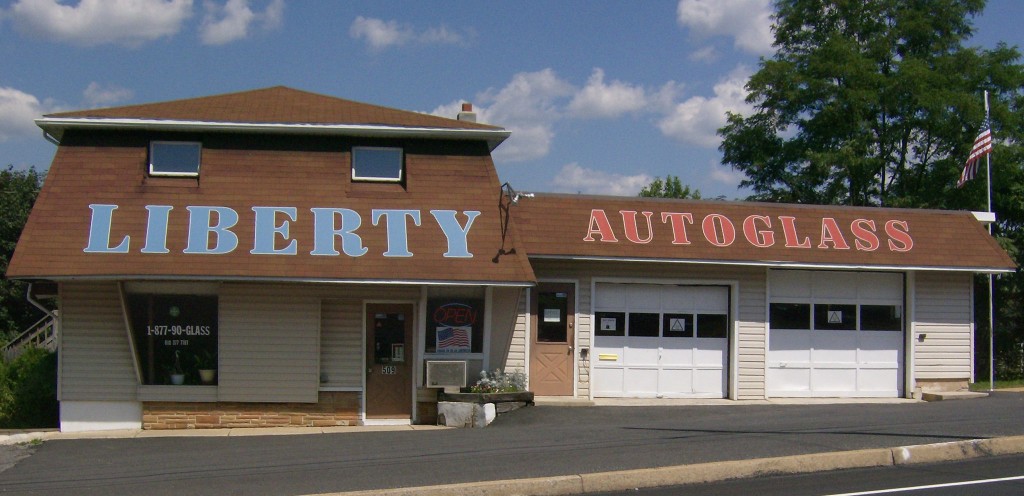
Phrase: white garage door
pixel 659 341
pixel 835 334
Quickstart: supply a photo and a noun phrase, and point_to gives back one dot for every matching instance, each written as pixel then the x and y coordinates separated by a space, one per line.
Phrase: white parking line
pixel 932 486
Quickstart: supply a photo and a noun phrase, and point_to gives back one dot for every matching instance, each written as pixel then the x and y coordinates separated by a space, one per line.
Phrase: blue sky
pixel 600 96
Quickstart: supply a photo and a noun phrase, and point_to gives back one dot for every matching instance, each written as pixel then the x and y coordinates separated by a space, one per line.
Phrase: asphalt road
pixel 993 476
pixel 533 442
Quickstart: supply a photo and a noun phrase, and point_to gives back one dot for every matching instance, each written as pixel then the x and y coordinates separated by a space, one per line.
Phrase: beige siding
pixel 504 312
pixel 341 343
pixel 516 358
pixel 269 349
pixel 96 361
pixel 942 312
pixel 751 326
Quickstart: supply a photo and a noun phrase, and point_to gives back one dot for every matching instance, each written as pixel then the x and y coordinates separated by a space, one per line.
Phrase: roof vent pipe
pixel 467 113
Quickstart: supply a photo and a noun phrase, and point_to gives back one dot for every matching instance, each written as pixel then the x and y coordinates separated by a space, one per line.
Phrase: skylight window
pixel 377 164
pixel 174 158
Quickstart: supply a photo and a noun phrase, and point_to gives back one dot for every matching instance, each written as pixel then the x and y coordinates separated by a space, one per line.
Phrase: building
pixel 277 257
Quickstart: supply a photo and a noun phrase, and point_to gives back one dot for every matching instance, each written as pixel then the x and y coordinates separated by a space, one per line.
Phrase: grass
pixel 984 385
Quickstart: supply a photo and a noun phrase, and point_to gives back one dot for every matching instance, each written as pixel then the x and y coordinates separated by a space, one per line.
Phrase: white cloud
pixel 706 54
pixel 575 179
pixel 598 99
pixel 97 95
pixel 380 34
pixel 696 120
pixel 19 110
pixel 747 21
pixel 97 22
pixel 231 22
pixel 528 106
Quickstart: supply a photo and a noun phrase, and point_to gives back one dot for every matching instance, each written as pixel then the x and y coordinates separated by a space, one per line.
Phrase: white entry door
pixel 660 341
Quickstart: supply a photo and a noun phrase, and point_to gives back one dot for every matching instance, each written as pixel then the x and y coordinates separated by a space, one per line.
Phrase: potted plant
pixel 177 374
pixel 206 364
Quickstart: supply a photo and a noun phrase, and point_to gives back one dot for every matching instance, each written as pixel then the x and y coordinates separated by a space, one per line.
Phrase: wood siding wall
pixel 943 313
pixel 96 362
pixel 750 323
pixel 504 316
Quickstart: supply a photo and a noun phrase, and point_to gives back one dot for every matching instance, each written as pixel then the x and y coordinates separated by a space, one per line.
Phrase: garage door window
pixel 835 317
pixel 790 315
pixel 712 325
pixel 881 318
pixel 611 323
pixel 643 324
pixel 677 325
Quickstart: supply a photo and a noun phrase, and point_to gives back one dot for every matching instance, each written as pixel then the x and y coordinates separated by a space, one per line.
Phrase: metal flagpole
pixel 991 303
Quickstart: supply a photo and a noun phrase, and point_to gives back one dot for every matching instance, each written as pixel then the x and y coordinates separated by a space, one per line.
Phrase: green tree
pixel 872 102
pixel 18 191
pixel 671 187
pixel 877 102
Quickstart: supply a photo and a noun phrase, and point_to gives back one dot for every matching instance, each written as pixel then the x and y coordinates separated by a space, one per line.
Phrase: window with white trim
pixel 379 164
pixel 174 158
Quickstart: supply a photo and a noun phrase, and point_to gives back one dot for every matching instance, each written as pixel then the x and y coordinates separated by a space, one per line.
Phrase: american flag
pixel 982 147
pixel 453 338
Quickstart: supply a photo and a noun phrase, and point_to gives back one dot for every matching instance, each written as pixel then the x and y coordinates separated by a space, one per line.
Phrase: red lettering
pixel 789 232
pixel 864 230
pixel 763 238
pixel 455 314
pixel 678 225
pixel 901 240
pixel 830 233
pixel 599 225
pixel 630 227
pixel 718 224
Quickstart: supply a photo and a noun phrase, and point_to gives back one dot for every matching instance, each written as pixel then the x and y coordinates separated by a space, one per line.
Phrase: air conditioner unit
pixel 446 374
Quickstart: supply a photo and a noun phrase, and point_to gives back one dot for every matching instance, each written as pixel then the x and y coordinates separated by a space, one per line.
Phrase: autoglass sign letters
pixel 210 230
pixel 761 231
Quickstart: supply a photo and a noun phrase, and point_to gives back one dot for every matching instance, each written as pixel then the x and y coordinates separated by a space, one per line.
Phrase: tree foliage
pixel 877 103
pixel 18 191
pixel 872 102
pixel 671 187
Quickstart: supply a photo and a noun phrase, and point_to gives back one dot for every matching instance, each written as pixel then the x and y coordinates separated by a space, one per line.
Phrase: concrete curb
pixel 716 471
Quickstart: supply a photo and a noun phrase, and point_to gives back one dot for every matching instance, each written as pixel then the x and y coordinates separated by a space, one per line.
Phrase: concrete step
pixel 951 395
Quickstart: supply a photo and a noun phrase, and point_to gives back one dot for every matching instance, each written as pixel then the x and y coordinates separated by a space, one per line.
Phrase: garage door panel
pixel 869 377
pixel 608 381
pixel 790 378
pixel 833 354
pixel 641 380
pixel 709 381
pixel 641 353
pixel 675 381
pixel 675 353
pixel 643 297
pixel 834 379
pixel 711 352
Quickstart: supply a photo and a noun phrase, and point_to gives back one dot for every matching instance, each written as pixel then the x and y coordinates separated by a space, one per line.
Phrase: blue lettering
pixel 324 231
pixel 200 228
pixel 267 229
pixel 156 229
pixel 398 239
pixel 458 247
pixel 99 231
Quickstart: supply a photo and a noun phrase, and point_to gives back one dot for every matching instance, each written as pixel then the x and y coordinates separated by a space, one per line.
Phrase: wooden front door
pixel 389 360
pixel 553 325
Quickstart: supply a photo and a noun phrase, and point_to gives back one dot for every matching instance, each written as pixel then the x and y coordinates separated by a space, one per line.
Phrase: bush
pixel 500 382
pixel 28 390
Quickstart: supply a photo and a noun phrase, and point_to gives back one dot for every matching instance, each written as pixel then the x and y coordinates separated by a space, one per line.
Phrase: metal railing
pixel 42 334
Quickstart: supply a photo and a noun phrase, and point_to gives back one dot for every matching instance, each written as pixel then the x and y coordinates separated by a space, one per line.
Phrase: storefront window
pixel 175 338
pixel 455 325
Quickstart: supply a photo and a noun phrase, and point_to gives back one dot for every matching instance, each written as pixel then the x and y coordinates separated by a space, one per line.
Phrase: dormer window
pixel 377 164
pixel 174 158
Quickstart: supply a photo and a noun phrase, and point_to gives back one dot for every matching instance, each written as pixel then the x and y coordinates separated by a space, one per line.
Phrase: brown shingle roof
pixel 276 105
pixel 570 226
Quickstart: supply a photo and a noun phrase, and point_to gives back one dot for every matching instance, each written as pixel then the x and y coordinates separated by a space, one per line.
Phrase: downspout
pixel 28 296
pixel 49 137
